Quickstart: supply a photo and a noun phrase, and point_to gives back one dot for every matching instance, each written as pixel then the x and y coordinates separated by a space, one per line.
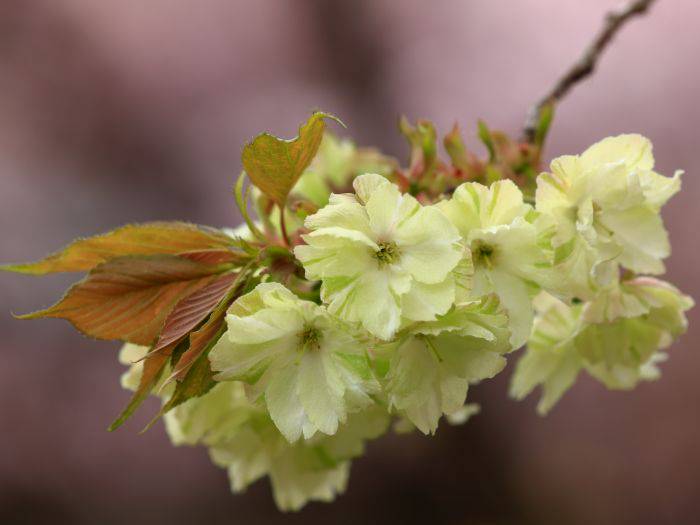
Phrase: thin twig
pixel 614 20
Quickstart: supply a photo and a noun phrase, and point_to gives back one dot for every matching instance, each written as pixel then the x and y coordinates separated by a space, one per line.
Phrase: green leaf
pixel 487 139
pixel 199 377
pixel 153 368
pixel 456 150
pixel 129 298
pixel 546 116
pixel 134 239
pixel 274 165
pixel 198 380
pixel 423 142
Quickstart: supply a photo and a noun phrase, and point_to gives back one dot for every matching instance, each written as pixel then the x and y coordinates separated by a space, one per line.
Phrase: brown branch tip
pixel 586 64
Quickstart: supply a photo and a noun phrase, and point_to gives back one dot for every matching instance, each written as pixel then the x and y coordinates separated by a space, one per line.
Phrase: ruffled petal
pixel 368 299
pixel 641 234
pixel 635 151
pixel 425 238
pixel 365 185
pixel 424 302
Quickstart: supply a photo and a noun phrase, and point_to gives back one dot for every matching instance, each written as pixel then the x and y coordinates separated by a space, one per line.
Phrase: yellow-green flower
pixel 617 338
pixel 311 371
pixel 433 364
pixel 381 257
pixel 505 252
pixel 605 205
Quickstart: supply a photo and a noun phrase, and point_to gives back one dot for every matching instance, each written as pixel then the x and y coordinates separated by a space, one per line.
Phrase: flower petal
pixel 635 151
pixel 428 245
pixel 365 185
pixel 342 211
pixel 336 252
pixel 283 403
pixel 640 232
pixel 425 301
pixel 367 298
pixel 515 298
pixel 321 392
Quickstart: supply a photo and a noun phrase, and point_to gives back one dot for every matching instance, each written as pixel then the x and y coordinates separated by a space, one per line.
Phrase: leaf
pixel 153 368
pixel 199 377
pixel 129 298
pixel 545 120
pixel 487 139
pixel 134 239
pixel 274 165
pixel 216 256
pixel 193 309
pixel 423 142
pixel 199 340
pixel 197 382
pixel 456 150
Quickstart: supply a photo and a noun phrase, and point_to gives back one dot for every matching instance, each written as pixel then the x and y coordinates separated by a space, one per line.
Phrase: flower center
pixel 482 253
pixel 387 253
pixel 309 338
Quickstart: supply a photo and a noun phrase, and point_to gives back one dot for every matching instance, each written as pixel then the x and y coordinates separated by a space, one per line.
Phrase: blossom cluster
pixel 404 299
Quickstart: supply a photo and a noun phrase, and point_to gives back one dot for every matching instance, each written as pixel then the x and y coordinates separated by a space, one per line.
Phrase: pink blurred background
pixel 116 112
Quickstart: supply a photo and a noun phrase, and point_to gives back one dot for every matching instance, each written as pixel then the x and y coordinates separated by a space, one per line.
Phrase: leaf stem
pixel 283 226
pixel 242 202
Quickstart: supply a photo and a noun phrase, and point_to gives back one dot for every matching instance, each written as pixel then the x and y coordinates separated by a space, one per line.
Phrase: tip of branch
pixel 584 66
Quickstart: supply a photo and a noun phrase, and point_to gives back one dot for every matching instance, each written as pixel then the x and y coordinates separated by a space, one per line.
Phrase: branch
pixel 586 64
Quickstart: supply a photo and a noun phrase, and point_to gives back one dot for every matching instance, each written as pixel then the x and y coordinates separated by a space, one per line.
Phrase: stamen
pixel 482 253
pixel 309 338
pixel 388 253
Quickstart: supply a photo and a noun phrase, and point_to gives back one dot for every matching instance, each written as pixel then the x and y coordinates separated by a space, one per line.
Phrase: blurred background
pixel 116 112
